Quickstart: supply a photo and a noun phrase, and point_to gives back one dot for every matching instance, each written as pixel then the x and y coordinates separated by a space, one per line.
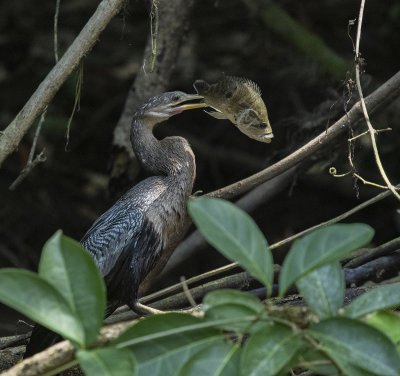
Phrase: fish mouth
pixel 267 138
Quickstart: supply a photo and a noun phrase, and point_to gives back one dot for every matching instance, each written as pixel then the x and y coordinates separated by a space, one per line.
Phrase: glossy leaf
pixel 27 293
pixel 388 323
pixel 163 353
pixel 72 271
pixel 374 300
pixel 321 247
pixel 323 289
pixel 268 351
pixel 358 345
pixel 107 361
pixel 217 359
pixel 234 233
pixel 227 303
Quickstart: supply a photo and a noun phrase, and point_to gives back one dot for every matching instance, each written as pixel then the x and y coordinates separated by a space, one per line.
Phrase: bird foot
pixel 144 310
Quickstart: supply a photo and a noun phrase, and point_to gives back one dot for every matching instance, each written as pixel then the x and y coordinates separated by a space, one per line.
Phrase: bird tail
pixel 41 339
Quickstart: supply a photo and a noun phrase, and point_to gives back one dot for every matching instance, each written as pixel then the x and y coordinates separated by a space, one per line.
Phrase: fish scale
pixel 239 100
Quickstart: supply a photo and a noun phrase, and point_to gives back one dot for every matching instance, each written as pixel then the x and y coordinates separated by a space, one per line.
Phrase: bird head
pixel 172 103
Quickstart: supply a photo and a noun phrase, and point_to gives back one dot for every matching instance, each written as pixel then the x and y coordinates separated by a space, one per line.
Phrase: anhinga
pixel 127 240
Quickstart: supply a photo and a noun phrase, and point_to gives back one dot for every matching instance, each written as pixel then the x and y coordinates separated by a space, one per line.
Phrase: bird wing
pixel 125 245
pixel 111 235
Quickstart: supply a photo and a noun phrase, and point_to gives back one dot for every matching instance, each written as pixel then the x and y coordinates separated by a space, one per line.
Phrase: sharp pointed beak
pixel 183 106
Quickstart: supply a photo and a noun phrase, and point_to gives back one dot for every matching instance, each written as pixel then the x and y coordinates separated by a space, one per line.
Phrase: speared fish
pixel 238 100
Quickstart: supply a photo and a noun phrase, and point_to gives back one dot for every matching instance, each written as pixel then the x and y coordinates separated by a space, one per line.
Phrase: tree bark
pixel 172 27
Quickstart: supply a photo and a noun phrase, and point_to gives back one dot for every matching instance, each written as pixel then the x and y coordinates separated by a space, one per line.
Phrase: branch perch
pixel 12 135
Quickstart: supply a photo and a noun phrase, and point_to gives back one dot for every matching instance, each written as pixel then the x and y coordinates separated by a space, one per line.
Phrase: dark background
pixel 70 190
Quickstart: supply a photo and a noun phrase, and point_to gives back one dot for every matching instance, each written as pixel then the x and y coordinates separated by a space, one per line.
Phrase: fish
pixel 238 100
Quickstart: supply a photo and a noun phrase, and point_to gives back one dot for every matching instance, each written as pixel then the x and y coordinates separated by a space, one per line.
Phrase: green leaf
pixel 321 247
pixel 174 339
pixel 323 289
pixel 388 323
pixel 234 233
pixel 351 343
pixel 72 271
pixel 374 300
pixel 315 361
pixel 37 299
pixel 107 361
pixel 217 359
pixel 268 351
pixel 227 303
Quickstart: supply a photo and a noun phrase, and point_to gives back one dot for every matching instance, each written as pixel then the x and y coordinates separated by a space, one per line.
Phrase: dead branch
pixel 12 135
pixel 376 270
pixel 365 255
pixel 62 354
pixel 40 158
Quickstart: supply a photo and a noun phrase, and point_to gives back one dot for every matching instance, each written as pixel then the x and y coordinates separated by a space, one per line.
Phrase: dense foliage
pixel 238 335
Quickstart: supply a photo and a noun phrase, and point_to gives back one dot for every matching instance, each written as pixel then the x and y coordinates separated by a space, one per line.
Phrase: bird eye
pixel 176 98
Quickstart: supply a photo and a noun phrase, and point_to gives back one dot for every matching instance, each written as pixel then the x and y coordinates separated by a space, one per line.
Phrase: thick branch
pixel 62 353
pixel 374 101
pixel 12 135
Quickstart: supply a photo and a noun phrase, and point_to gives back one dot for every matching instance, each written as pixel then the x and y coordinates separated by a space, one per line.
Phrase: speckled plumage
pixel 127 240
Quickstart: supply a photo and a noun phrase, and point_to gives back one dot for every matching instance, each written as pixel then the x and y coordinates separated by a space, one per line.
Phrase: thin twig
pixel 35 138
pixel 252 200
pixel 56 30
pixel 27 169
pixel 154 32
pixel 12 135
pixel 366 132
pixel 31 163
pixel 364 107
pixel 365 255
pixel 367 182
pixel 223 269
pixel 78 89
pixel 186 290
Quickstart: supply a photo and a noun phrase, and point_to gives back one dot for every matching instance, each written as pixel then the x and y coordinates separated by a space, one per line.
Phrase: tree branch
pixel 12 135
pixel 62 354
pixel 198 241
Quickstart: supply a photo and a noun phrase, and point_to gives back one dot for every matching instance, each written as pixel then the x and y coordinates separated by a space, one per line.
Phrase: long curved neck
pixel 170 156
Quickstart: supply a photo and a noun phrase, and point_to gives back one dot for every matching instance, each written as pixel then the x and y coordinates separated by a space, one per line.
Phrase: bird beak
pixel 183 106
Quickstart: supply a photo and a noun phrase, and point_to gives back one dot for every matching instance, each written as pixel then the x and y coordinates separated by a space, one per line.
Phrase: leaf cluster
pixel 238 335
